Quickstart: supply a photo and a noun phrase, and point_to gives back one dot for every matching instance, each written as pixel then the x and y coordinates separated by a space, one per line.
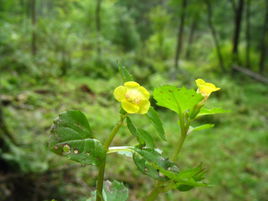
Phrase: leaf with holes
pixel 71 137
pixel 150 161
pixel 176 99
pixel 153 164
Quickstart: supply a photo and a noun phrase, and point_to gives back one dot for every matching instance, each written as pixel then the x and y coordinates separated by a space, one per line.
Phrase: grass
pixel 235 152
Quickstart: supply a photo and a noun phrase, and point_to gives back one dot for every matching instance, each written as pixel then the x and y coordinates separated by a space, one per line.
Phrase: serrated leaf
pixel 115 191
pixel 187 179
pixel 126 76
pixel 153 164
pixel 154 117
pixel 206 111
pixel 202 127
pixel 176 99
pixel 71 137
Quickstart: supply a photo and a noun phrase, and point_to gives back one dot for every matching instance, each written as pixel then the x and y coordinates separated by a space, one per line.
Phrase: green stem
pixel 178 148
pixel 106 145
pixel 154 194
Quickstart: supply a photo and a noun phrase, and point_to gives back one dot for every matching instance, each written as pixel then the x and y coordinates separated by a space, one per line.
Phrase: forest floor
pixel 235 151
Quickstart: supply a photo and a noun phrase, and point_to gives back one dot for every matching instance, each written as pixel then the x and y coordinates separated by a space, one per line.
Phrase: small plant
pixel 71 136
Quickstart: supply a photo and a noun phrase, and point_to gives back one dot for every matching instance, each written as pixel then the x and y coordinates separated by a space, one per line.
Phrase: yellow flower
pixel 133 97
pixel 205 88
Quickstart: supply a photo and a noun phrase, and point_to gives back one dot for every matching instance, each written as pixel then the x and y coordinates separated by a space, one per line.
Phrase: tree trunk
pixel 98 25
pixel 248 33
pixel 214 35
pixel 33 16
pixel 264 41
pixel 191 37
pixel 237 29
pixel 180 34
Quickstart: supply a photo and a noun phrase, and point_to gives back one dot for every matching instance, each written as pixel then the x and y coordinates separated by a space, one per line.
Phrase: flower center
pixel 134 96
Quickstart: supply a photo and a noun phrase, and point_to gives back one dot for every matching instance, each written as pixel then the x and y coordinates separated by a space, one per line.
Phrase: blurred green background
pixel 57 55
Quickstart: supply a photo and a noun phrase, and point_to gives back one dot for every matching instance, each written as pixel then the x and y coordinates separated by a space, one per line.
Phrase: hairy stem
pixel 106 145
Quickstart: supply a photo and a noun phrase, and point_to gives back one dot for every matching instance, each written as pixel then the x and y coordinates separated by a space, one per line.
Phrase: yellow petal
pixel 199 82
pixel 130 107
pixel 144 107
pixel 119 93
pixel 144 92
pixel 131 84
pixel 205 88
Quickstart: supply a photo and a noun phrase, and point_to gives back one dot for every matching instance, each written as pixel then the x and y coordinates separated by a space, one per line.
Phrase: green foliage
pixel 71 137
pixel 205 111
pixel 150 161
pixel 154 117
pixel 153 164
pixel 143 137
pixel 24 160
pixel 199 128
pixel 68 70
pixel 176 99
pixel 114 191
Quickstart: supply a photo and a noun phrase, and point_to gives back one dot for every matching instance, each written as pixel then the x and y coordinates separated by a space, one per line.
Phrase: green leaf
pixel 131 127
pixel 142 136
pixel 149 161
pixel 115 191
pixel 202 127
pixel 187 179
pixel 145 167
pixel 154 117
pixel 154 156
pixel 126 76
pixel 71 137
pixel 176 99
pixel 206 111
pixel 153 164
pixel 146 137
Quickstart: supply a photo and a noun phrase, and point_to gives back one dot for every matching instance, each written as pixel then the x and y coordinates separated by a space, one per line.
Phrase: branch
pixel 251 74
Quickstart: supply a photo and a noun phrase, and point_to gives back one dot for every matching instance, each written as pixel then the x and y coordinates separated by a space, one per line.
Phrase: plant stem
pixel 154 194
pixel 178 148
pixel 106 145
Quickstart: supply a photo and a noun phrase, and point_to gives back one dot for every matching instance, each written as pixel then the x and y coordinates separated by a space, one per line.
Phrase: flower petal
pixel 144 92
pixel 131 84
pixel 130 107
pixel 199 82
pixel 144 107
pixel 205 88
pixel 119 93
